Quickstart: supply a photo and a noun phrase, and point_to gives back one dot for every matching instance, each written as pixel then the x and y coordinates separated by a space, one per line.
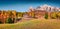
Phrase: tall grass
pixel 33 24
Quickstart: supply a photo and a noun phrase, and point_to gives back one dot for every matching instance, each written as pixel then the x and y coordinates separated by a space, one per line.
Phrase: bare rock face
pixel 40 11
pixel 45 7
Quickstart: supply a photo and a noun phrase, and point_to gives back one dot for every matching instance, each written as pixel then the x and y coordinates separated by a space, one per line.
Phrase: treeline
pixel 18 14
pixel 53 15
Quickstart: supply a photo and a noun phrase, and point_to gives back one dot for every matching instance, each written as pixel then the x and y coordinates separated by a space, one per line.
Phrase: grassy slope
pixel 33 24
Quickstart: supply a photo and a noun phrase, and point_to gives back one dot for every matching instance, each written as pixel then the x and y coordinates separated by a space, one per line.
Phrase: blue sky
pixel 23 5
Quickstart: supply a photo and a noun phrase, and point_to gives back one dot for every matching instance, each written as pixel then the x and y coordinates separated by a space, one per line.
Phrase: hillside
pixel 33 24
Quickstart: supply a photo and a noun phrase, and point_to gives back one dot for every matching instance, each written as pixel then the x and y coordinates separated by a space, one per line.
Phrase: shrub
pixel 9 20
pixel 46 16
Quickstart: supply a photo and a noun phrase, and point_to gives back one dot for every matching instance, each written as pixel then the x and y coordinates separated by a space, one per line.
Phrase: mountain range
pixel 46 8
